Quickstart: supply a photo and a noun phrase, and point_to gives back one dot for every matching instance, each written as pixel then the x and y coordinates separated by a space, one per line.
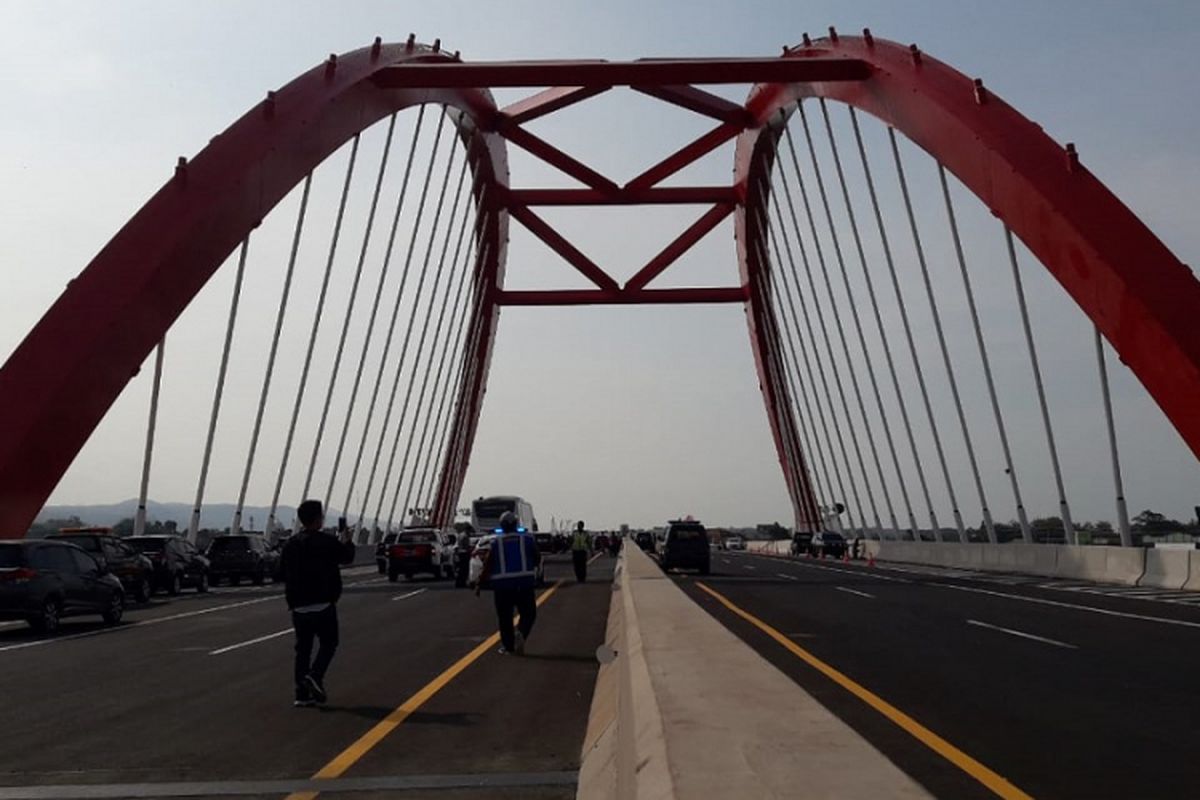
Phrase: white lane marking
pixel 139 624
pixel 406 596
pixel 789 577
pixel 749 566
pixel 855 591
pixel 240 645
pixel 858 573
pixel 1021 634
pixel 1059 604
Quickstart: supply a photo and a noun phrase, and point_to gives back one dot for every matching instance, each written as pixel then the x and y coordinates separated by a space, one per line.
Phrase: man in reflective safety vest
pixel 510 571
pixel 581 548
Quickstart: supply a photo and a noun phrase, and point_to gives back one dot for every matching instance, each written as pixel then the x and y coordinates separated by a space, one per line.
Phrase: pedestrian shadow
pixel 457 719
pixel 375 713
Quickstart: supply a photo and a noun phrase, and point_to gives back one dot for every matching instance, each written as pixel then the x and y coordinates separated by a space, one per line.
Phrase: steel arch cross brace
pixel 1141 297
pixel 61 380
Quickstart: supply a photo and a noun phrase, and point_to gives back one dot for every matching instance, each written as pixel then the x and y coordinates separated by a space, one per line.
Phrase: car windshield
pixel 89 543
pixel 148 545
pixel 230 544
pixel 417 537
pixel 10 556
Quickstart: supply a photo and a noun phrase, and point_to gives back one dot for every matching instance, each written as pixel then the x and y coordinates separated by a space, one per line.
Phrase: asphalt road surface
pixel 197 692
pixel 1065 689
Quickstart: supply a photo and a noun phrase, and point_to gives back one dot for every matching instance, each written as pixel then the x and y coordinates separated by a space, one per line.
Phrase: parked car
pixel 242 556
pixel 828 544
pixel 600 543
pixel 801 542
pixel 645 540
pixel 735 543
pixel 545 542
pixel 684 545
pixel 420 550
pixel 381 551
pixel 42 581
pixel 132 569
pixel 177 562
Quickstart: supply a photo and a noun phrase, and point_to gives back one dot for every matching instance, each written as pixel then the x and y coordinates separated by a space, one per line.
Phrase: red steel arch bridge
pixel 849 324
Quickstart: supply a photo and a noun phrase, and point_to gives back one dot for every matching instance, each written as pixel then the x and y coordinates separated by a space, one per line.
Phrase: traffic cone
pixel 846 557
pixel 870 559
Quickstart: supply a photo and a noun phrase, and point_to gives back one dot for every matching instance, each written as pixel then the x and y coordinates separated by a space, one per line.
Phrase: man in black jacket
pixel 311 569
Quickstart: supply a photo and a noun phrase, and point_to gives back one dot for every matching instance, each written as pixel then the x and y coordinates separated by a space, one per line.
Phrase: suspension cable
pixel 387 344
pixel 862 339
pixel 194 523
pixel 312 337
pixel 362 258
pixel 456 355
pixel 837 318
pixel 462 370
pixel 794 380
pixel 845 460
pixel 816 305
pixel 887 348
pixel 1065 509
pixel 236 527
pixel 425 456
pixel 793 458
pixel 433 295
pixel 1118 483
pixel 452 448
pixel 983 356
pixel 139 520
pixel 793 335
pixel 374 314
pixel 412 431
pixel 941 337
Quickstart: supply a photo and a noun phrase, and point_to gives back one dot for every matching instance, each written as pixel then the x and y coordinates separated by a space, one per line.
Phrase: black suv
pixel 684 545
pixel 132 568
pixel 241 556
pixel 177 562
pixel 42 581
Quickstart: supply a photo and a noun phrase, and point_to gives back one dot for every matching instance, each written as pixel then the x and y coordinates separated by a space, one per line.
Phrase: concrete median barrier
pixel 1167 569
pixel 1124 565
pixel 1193 581
pixel 683 688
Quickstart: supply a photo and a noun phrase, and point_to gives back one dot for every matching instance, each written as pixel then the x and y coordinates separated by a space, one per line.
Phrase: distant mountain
pixel 213 515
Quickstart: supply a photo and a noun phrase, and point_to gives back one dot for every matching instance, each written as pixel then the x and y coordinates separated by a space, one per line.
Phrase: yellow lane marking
pixel 352 754
pixel 997 783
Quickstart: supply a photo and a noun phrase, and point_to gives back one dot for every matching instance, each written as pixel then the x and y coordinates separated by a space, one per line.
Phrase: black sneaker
pixel 315 690
pixel 303 697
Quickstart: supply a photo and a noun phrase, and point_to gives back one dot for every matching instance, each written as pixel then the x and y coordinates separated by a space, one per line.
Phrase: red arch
pixel 1144 300
pixel 68 371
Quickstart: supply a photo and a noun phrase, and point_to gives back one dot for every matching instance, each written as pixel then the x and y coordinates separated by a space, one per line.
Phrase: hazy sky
pixel 607 414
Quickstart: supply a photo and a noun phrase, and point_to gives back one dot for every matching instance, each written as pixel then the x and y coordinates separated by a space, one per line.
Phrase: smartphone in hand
pixel 342 526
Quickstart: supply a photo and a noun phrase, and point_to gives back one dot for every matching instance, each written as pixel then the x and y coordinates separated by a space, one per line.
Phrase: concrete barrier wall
pixel 1132 566
pixel 1167 569
pixel 1193 581
pixel 1125 565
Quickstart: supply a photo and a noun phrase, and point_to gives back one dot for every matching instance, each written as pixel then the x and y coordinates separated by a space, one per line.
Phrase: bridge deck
pixel 148 703
pixel 1066 690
